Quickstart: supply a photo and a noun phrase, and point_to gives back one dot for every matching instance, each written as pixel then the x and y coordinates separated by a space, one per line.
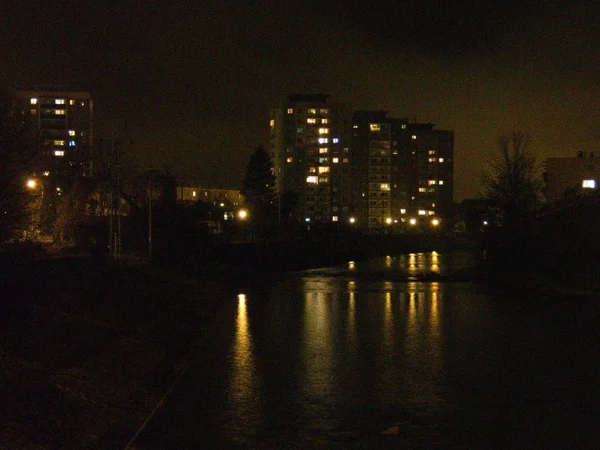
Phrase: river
pixel 358 356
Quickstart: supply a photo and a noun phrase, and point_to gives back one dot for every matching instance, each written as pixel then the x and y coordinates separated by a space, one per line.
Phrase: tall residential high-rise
pixel 62 121
pixel 310 141
pixel 402 172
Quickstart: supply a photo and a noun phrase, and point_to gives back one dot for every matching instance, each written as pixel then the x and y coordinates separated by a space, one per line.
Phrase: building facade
pixel 403 172
pixel 62 121
pixel 310 141
pixel 564 177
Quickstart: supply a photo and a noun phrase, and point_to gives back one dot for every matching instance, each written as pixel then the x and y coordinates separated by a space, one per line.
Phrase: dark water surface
pixel 333 358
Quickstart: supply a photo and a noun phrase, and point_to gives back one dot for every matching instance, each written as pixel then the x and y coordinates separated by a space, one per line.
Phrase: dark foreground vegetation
pixel 88 350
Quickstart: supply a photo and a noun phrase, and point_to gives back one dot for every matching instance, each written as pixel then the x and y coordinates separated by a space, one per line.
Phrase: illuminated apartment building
pixel 62 121
pixel 403 172
pixel 310 145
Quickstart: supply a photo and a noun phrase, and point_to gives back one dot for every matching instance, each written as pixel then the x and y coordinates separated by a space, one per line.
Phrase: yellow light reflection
pixel 317 346
pixel 351 326
pixel 242 387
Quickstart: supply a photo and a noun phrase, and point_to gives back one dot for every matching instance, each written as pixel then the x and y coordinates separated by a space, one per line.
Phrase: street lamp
pixel 31 183
pixel 435 222
pixel 242 214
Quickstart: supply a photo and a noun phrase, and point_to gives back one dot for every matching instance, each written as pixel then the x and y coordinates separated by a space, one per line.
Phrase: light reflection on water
pixel 243 395
pixel 317 361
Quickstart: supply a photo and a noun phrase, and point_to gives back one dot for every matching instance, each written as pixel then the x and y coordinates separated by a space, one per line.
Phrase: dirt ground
pixel 88 350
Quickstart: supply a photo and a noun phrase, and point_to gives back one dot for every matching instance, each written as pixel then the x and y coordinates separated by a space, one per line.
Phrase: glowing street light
pixel 412 221
pixel 388 220
pixel 31 183
pixel 352 220
pixel 242 214
pixel 435 222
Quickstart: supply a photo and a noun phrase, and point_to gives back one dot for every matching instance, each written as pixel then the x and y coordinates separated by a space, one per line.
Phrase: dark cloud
pixel 195 80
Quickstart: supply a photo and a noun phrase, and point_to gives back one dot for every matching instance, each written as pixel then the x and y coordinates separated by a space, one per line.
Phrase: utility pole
pixel 150 216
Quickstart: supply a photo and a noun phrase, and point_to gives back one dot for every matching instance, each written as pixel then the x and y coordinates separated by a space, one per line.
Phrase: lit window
pixel 336 160
pixel 324 121
pixel 46 173
pixel 589 184
pixel 324 111
pixel 431 160
pixel 374 127
pixel 272 123
pixel 422 212
pixel 432 152
pixel 431 182
pixel 323 140
pixel 403 211
pixel 33 111
pixel 323 130
pixel 345 160
pixel 193 193
pixel 403 126
pixel 441 182
pixel 323 179
pixel 33 101
pixel 71 143
pixel 312 179
pixel 334 218
pixel 422 189
pixel 441 160
pixel 300 130
pixel 71 132
pixel 335 140
pixel 323 160
pixel 312 170
pixel 355 126
pixel 59 101
pixel 71 102
pixel 385 186
pixel 430 213
pixel 289 159
pixel 59 153
pixel 323 169
pixel 59 112
pixel 311 120
pixel 59 142
pixel 311 111
pixel 413 137
pixel 290 111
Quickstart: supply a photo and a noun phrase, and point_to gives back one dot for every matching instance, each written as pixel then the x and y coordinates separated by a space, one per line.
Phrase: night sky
pixel 195 80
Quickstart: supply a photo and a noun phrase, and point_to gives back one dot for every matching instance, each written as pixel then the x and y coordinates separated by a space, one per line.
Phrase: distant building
pixel 402 172
pixel 310 140
pixel 229 197
pixel 62 121
pixel 565 177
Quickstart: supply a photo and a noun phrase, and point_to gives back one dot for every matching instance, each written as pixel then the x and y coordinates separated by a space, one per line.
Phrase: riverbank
pixel 88 350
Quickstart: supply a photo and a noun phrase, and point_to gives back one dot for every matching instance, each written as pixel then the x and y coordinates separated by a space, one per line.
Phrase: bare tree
pixel 513 181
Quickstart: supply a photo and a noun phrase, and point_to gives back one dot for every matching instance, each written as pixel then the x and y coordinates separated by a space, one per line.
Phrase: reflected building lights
pixel 242 386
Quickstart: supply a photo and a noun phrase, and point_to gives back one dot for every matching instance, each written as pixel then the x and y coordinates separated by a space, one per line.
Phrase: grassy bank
pixel 88 350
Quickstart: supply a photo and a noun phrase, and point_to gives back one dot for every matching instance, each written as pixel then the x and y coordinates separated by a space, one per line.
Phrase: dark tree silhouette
pixel 259 188
pixel 16 162
pixel 513 181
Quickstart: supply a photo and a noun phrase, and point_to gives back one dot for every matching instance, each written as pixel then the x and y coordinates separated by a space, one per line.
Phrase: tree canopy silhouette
pixel 513 181
pixel 16 162
pixel 259 187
